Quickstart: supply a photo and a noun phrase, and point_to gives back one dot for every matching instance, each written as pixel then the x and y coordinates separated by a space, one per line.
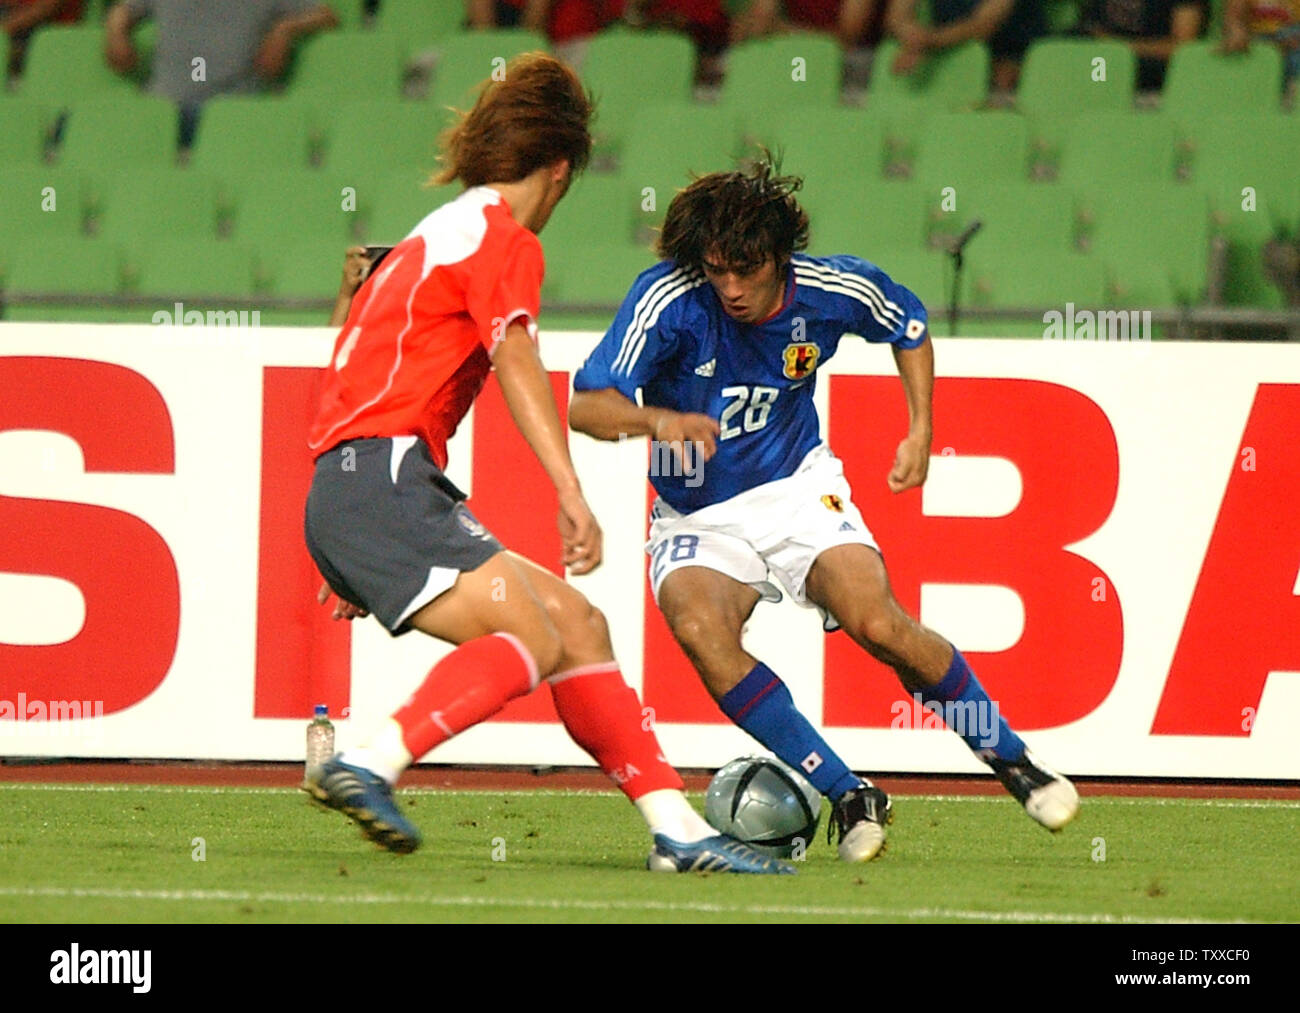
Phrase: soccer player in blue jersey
pixel 723 339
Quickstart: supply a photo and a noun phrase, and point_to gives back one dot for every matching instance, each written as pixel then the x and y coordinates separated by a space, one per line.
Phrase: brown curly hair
pixel 742 218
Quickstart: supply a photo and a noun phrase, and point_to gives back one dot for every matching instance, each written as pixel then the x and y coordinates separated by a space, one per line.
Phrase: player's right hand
pixel 580 534
pixel 680 428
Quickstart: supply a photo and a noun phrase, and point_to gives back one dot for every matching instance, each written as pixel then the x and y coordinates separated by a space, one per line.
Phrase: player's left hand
pixel 911 464
pixel 342 609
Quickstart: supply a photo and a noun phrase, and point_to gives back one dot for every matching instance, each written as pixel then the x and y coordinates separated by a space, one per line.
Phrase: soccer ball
pixel 766 804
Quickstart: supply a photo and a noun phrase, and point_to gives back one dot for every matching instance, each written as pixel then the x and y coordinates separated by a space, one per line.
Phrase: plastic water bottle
pixel 320 737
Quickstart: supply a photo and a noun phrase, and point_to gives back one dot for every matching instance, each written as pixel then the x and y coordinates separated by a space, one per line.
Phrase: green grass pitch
pixel 85 853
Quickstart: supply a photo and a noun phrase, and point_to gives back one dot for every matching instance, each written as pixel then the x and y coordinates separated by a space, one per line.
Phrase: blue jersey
pixel 673 341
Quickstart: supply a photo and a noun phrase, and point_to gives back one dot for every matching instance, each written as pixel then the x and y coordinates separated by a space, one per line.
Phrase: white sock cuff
pixel 596 669
pixel 533 676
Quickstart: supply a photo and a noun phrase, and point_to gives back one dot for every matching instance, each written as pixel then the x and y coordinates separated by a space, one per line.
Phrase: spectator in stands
pixel 705 21
pixel 1152 28
pixel 206 49
pixel 1006 26
pixel 19 18
pixel 855 23
pixel 1275 20
pixel 565 23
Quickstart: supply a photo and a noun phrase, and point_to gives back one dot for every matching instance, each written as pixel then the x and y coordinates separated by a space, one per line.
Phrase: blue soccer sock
pixel 761 704
pixel 967 710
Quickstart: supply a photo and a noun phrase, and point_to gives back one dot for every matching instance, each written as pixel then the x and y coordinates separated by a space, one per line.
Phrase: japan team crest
pixel 832 502
pixel 801 359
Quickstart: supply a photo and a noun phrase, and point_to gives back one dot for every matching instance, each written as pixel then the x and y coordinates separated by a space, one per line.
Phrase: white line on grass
pixel 178 789
pixel 551 904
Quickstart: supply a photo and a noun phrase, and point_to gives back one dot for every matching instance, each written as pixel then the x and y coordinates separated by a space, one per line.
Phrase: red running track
pixel 287 775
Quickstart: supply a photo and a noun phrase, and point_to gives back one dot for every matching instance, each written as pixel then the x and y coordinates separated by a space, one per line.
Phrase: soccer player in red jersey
pixel 454 299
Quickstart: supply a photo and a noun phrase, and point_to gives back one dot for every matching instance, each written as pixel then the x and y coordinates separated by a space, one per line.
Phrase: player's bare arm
pixel 527 390
pixel 119 50
pixel 609 415
pixel 912 460
pixel 273 54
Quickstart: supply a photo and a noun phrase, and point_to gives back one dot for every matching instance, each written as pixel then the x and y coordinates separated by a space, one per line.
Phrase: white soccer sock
pixel 385 754
pixel 667 812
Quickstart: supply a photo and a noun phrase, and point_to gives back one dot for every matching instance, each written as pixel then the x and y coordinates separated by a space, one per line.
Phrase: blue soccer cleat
pixel 367 799
pixel 713 854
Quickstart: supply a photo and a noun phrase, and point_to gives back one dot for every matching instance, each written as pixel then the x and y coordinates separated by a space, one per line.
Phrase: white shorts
pixel 773 530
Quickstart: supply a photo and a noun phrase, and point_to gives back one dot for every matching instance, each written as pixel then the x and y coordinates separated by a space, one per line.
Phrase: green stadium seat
pixel 1026 279
pixel 622 67
pixel 469 58
pixel 594 274
pixel 334 66
pixel 1154 239
pixel 197 271
pixel 1246 168
pixel 238 135
pixel 961 149
pixel 608 207
pixel 1260 151
pixel 1057 79
pixel 38 204
pixel 119 134
pixel 74 267
pixel 769 77
pixel 1205 82
pixel 400 204
pixel 1116 149
pixel 924 272
pixel 370 139
pixel 145 205
pixel 861 215
pixel 825 146
pixel 301 271
pixel 418 21
pixel 351 13
pixel 1025 216
pixel 701 140
pixel 24 130
pixel 955 79
pixel 275 208
pixel 65 64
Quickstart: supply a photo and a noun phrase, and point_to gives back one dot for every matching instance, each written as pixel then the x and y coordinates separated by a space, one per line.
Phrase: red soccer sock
pixel 469 685
pixel 603 715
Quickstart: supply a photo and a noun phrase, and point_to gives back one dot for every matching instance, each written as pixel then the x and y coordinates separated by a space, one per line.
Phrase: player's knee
pixel 705 638
pixel 878 628
pixel 582 627
pixel 587 632
pixel 547 649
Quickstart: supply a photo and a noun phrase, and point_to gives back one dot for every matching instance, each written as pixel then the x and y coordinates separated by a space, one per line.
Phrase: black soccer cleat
pixel 859 817
pixel 1048 797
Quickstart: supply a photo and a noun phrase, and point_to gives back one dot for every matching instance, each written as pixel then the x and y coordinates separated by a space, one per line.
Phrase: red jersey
pixel 417 345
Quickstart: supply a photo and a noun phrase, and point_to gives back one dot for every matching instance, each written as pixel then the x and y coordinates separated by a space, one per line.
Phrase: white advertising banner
pixel 1109 532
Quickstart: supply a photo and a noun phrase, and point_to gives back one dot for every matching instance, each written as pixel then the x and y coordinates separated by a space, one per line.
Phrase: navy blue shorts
pixel 388 531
